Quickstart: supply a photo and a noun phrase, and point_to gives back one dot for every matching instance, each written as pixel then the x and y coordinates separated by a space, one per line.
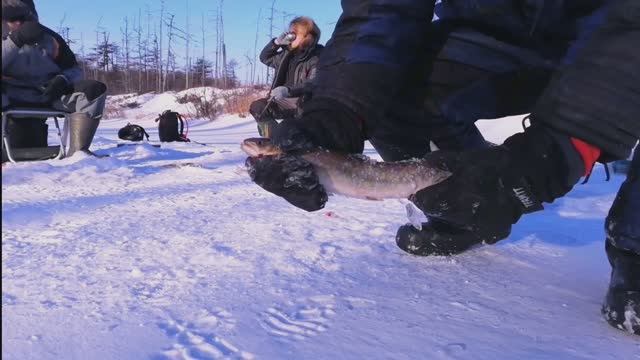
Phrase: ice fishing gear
pixel 31 145
pixel 171 127
pixel 133 132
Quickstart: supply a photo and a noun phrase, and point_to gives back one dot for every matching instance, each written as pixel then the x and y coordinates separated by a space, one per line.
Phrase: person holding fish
pixel 573 65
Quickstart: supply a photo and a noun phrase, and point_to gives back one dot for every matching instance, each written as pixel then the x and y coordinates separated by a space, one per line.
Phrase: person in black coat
pixel 294 55
pixel 573 65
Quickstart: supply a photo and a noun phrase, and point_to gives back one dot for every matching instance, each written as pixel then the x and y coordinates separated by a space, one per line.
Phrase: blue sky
pixel 82 17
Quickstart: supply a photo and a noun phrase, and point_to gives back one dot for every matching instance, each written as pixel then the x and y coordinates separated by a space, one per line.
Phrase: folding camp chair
pixel 31 154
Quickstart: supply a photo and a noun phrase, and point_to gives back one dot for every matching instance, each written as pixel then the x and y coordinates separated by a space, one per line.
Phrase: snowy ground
pixel 172 253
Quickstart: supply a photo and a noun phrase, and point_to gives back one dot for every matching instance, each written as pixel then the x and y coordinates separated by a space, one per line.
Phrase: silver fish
pixel 357 177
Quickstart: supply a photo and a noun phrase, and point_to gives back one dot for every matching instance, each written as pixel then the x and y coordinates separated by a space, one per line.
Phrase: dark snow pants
pixel 266 113
pixel 623 222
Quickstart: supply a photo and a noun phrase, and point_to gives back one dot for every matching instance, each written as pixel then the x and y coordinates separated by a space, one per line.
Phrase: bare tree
pixel 225 78
pixel 156 59
pixel 140 53
pixel 148 43
pixel 219 40
pixel 84 57
pixel 65 31
pixel 161 85
pixel 188 58
pixel 254 63
pixel 204 75
pixel 126 36
pixel 169 24
pixel 173 32
pixel 150 54
pixel 248 74
pixel 216 21
pixel 224 47
pixel 271 18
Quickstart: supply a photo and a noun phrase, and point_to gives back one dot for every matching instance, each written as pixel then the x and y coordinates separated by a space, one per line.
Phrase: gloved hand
pixel 57 87
pixel 327 125
pixel 27 34
pixel 490 189
pixel 285 39
pixel 280 92
pixel 290 177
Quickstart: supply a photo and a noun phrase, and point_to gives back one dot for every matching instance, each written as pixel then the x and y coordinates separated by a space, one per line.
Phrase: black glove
pixel 490 189
pixel 328 125
pixel 290 177
pixel 27 34
pixel 325 124
pixel 57 87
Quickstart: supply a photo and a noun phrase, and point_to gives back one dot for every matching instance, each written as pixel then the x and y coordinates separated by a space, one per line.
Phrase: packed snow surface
pixel 173 253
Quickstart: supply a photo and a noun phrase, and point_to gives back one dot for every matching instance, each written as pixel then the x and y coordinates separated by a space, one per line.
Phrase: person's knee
pixel 90 88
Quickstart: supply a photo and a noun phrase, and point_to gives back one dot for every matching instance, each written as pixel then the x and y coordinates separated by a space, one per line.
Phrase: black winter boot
pixel 489 190
pixel 82 129
pixel 442 239
pixel 621 306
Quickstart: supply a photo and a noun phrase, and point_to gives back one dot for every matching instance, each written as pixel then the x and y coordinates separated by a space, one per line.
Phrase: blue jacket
pixel 394 29
pixel 378 47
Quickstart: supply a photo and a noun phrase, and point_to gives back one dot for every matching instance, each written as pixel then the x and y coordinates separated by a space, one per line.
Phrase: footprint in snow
pixel 301 319
pixel 454 351
pixel 197 337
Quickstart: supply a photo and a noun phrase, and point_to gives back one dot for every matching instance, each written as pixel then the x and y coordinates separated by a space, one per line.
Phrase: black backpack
pixel 171 127
pixel 132 132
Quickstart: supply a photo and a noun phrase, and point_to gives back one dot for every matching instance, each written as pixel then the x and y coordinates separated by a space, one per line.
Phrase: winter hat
pixel 19 9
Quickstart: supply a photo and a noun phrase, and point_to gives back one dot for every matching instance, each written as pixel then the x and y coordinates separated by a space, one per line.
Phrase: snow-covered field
pixel 173 253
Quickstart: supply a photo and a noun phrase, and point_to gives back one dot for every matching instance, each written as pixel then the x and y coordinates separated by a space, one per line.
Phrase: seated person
pixel 40 70
pixel 294 55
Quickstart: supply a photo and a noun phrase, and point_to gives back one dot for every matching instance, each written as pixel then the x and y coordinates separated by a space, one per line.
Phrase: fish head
pixel 255 147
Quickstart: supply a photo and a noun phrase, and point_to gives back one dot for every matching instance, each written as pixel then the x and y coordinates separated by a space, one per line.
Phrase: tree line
pixel 154 51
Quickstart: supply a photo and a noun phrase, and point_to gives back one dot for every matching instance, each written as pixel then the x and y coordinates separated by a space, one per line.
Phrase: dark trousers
pixel 623 222
pixel 468 75
pixel 266 112
pixel 278 109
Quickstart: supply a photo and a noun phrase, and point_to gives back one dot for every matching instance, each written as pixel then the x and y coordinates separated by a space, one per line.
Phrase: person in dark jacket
pixel 39 69
pixel 571 64
pixel 294 55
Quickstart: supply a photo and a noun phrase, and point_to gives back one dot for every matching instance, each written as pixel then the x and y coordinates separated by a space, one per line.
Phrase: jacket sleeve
pixel 271 55
pixel 594 97
pixel 65 58
pixel 9 52
pixel 369 58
